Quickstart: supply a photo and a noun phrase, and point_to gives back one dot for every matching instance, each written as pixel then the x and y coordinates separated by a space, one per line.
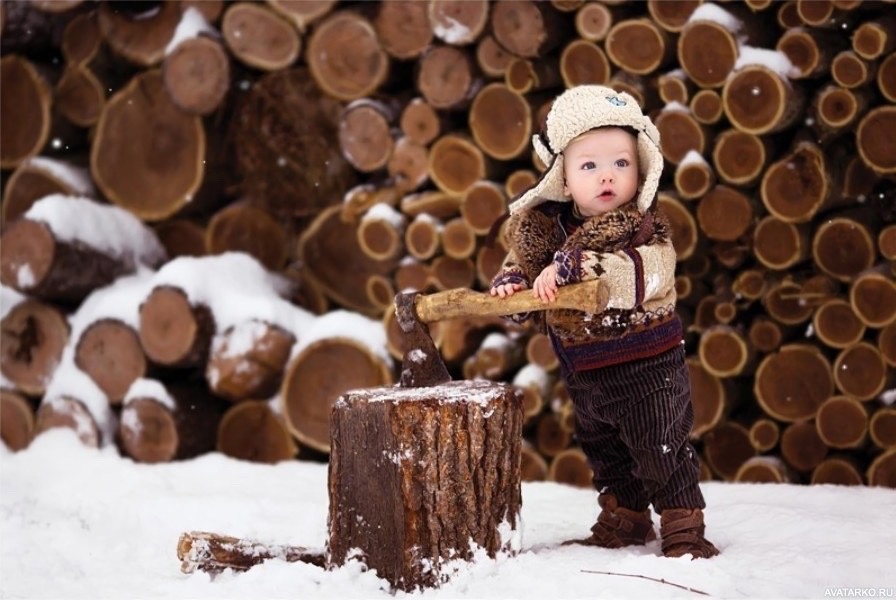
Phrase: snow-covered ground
pixel 85 523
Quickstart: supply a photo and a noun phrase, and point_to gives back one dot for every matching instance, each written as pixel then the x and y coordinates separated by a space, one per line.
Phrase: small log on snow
pixel 109 352
pixel 25 111
pixel 253 430
pixel 315 379
pixel 33 336
pixel 792 383
pixel 70 413
pixel 162 423
pixel 212 553
pixel 435 477
pixel 173 331
pixel 16 420
pixel 259 37
pixel 247 360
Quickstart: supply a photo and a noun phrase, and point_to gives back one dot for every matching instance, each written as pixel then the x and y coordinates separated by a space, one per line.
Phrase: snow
pixel 149 388
pixel 450 30
pixel 716 14
pixel 191 25
pixel 75 178
pixel 384 212
pixel 773 60
pixel 694 157
pixel 87 523
pixel 109 229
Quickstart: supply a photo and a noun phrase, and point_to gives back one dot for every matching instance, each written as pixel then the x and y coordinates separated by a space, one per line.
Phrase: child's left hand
pixel 545 286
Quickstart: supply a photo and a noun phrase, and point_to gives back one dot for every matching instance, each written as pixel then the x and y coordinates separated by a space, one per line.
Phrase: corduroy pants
pixel 632 421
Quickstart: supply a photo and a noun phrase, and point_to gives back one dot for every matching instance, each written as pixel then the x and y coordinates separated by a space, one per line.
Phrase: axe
pixel 422 364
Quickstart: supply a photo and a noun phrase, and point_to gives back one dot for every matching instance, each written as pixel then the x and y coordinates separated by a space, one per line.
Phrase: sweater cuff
pixel 569 266
pixel 512 276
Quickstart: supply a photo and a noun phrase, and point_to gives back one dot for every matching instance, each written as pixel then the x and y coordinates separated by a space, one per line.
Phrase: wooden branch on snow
pixel 212 553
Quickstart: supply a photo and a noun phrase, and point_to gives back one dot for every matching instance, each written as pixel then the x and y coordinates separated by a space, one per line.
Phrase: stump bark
pixel 438 475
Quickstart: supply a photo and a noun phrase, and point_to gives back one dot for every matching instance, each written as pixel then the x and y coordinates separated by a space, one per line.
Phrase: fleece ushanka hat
pixel 581 109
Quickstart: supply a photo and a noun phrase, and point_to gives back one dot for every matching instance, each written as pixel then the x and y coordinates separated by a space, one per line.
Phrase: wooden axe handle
pixel 588 296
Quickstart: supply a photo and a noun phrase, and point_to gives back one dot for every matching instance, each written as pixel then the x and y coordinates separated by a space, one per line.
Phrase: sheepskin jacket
pixel 630 251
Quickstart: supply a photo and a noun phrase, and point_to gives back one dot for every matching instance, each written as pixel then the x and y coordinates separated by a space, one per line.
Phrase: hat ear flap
pixel 541 150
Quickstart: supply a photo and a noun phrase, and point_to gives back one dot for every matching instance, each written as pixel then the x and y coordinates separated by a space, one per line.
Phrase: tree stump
pixel 419 477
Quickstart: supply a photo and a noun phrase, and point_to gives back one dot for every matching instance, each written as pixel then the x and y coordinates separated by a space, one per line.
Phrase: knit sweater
pixel 630 252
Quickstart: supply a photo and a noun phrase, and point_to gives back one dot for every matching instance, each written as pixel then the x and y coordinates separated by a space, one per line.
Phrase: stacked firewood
pixel 348 151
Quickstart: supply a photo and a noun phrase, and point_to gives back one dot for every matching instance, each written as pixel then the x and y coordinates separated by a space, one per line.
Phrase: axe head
pixel 422 364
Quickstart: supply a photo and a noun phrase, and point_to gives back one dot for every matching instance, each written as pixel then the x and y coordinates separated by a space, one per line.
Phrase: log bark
pixel 169 422
pixel 247 360
pixel 25 111
pixel 294 168
pixel 245 227
pixel 147 156
pixel 174 331
pixel 793 382
pixel 197 75
pixel 462 436
pixel 254 431
pixel 318 376
pixel 109 352
pixel 213 553
pixel 33 336
pixel 16 420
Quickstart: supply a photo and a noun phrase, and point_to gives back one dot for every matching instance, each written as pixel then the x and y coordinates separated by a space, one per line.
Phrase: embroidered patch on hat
pixel 615 100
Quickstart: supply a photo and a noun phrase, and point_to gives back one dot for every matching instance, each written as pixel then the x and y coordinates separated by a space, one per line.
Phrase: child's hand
pixel 506 289
pixel 545 287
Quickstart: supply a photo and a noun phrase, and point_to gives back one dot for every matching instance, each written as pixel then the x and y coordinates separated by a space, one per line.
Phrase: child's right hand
pixel 506 289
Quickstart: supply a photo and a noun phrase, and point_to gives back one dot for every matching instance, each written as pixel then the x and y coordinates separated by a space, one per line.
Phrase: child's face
pixel 601 169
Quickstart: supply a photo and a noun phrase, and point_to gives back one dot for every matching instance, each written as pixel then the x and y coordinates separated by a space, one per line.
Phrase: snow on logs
pixel 775 122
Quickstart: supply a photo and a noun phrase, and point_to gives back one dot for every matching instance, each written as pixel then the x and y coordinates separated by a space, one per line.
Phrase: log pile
pixel 355 150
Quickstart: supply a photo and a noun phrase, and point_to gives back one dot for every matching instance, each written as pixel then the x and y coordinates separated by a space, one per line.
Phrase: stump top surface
pixel 463 391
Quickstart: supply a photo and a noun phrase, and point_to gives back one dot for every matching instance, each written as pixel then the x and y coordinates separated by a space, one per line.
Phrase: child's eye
pixel 621 163
pixel 588 166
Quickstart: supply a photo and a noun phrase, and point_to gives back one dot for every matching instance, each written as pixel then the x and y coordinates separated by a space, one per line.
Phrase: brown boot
pixel 617 526
pixel 682 531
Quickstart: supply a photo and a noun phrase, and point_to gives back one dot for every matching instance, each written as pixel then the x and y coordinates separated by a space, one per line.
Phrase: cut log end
pixel 172 331
pixel 109 352
pixel 345 56
pixel 253 431
pixel 34 335
pixel 16 420
pixel 259 37
pixel 791 384
pixel 197 75
pixel 28 249
pixel 71 414
pixel 148 431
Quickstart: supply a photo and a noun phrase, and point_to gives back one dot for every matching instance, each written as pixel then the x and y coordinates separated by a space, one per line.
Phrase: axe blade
pixel 422 365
